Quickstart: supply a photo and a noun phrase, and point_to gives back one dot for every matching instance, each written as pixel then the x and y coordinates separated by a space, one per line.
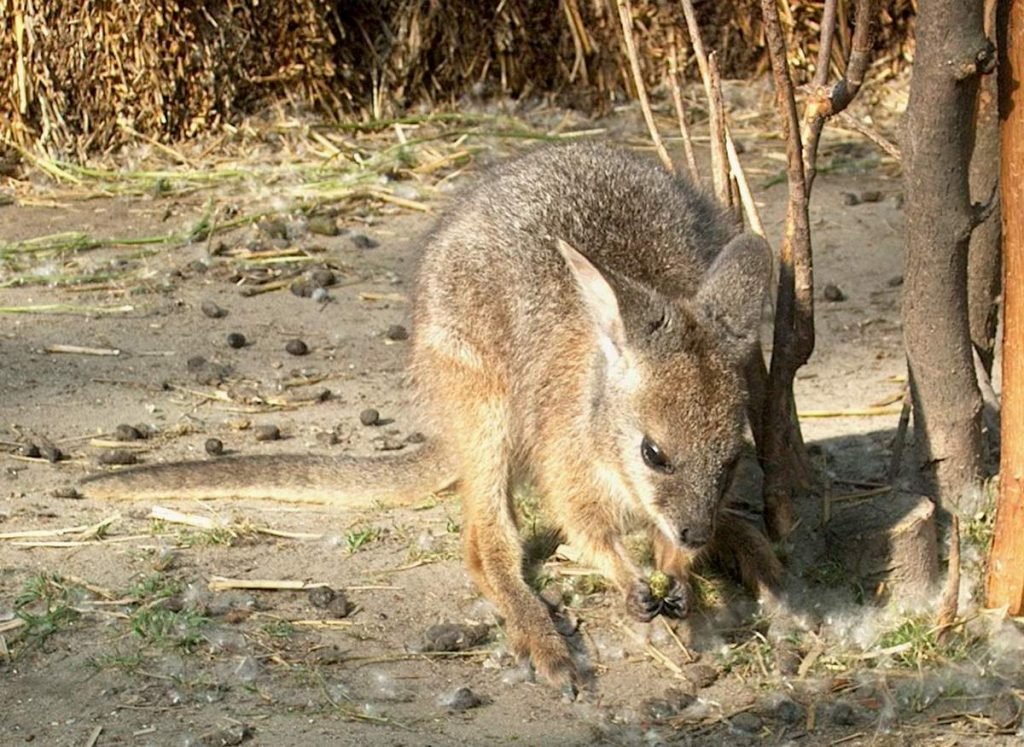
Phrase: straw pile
pixel 78 76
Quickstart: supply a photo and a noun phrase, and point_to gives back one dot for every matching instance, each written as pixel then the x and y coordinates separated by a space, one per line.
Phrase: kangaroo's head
pixel 667 390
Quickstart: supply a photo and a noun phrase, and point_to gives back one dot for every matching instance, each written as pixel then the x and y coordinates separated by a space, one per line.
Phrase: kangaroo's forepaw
pixel 677 602
pixel 641 603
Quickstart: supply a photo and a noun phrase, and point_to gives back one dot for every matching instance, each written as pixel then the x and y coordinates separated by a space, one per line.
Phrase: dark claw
pixel 677 602
pixel 640 603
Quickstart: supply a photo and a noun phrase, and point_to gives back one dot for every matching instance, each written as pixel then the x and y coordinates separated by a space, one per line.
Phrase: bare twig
pixel 746 196
pixel 719 160
pixel 900 439
pixel 782 454
pixel 848 122
pixel 626 17
pixel 79 350
pixel 677 101
pixel 824 102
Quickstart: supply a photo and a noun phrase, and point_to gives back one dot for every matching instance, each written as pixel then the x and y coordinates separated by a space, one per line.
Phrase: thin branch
pixel 695 41
pixel 848 122
pixel 746 196
pixel 824 103
pixel 626 17
pixel 719 160
pixel 795 334
pixel 828 32
pixel 677 100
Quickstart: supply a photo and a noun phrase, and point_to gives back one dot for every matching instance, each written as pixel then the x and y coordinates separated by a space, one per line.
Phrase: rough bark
pixel 1005 582
pixel 890 547
pixel 782 455
pixel 984 268
pixel 952 54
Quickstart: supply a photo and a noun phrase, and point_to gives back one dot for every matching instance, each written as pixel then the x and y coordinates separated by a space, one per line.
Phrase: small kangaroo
pixel 582 321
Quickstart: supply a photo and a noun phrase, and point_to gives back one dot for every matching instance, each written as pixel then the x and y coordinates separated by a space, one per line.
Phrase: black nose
pixel 694 537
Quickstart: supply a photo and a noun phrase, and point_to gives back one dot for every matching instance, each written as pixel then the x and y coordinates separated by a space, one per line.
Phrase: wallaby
pixel 582 321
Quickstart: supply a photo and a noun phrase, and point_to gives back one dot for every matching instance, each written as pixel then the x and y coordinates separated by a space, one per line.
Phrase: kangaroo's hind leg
pixel 474 404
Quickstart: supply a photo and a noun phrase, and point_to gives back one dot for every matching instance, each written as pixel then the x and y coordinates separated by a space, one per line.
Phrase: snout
pixel 695 536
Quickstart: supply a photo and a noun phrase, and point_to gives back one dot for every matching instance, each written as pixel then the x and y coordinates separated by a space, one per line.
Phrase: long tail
pixel 292 478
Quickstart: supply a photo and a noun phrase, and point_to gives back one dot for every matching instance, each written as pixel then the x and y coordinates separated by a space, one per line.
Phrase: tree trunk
pixel 1005 582
pixel 952 54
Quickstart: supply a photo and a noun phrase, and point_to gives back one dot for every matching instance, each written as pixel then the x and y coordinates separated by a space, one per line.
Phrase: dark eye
pixel 654 457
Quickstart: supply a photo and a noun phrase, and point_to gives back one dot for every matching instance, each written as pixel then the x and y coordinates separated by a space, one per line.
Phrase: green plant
pixel 358 538
pixel 183 628
pixel 45 606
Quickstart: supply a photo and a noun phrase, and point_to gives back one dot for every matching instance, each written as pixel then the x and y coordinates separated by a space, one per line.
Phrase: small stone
pixel 671 704
pixel 895 201
pixel 214 446
pixel 895 281
pixel 323 225
pixel 870 195
pixel 369 416
pixel 833 293
pixel 125 432
pixel 843 714
pixel 746 722
pixel 118 456
pixel 146 430
pixel 362 241
pixel 850 199
pixel 205 372
pixel 302 287
pixel 267 432
pixel 397 332
pixel 320 295
pixel 461 700
pixel 320 596
pixel 453 637
pixel 789 711
pixel 51 453
pixel 198 266
pixel 415 438
pixel 66 493
pixel 212 310
pixel 30 450
pixel 339 606
pixel 322 278
pixel 390 444
pixel 274 228
pixel 1005 710
pixel 236 340
pixel 296 347
pixel 701 675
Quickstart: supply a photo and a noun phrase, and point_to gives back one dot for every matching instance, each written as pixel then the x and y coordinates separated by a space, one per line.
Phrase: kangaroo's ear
pixel 733 290
pixel 599 300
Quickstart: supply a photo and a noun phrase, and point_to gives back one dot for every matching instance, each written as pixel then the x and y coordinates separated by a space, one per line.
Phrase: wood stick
pixel 626 17
pixel 719 160
pixel 677 101
pixel 192 520
pixel 80 350
pixel 1004 584
pixel 220 583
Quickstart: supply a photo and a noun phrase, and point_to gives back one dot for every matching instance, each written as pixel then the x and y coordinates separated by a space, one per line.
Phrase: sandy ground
pixel 145 652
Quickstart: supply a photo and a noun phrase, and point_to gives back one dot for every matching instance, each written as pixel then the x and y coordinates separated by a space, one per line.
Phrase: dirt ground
pixel 112 634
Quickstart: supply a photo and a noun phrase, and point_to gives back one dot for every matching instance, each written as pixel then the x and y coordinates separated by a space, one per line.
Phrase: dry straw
pixel 81 77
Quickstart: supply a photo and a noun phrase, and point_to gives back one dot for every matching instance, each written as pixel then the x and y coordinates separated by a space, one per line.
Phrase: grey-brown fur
pixel 577 303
